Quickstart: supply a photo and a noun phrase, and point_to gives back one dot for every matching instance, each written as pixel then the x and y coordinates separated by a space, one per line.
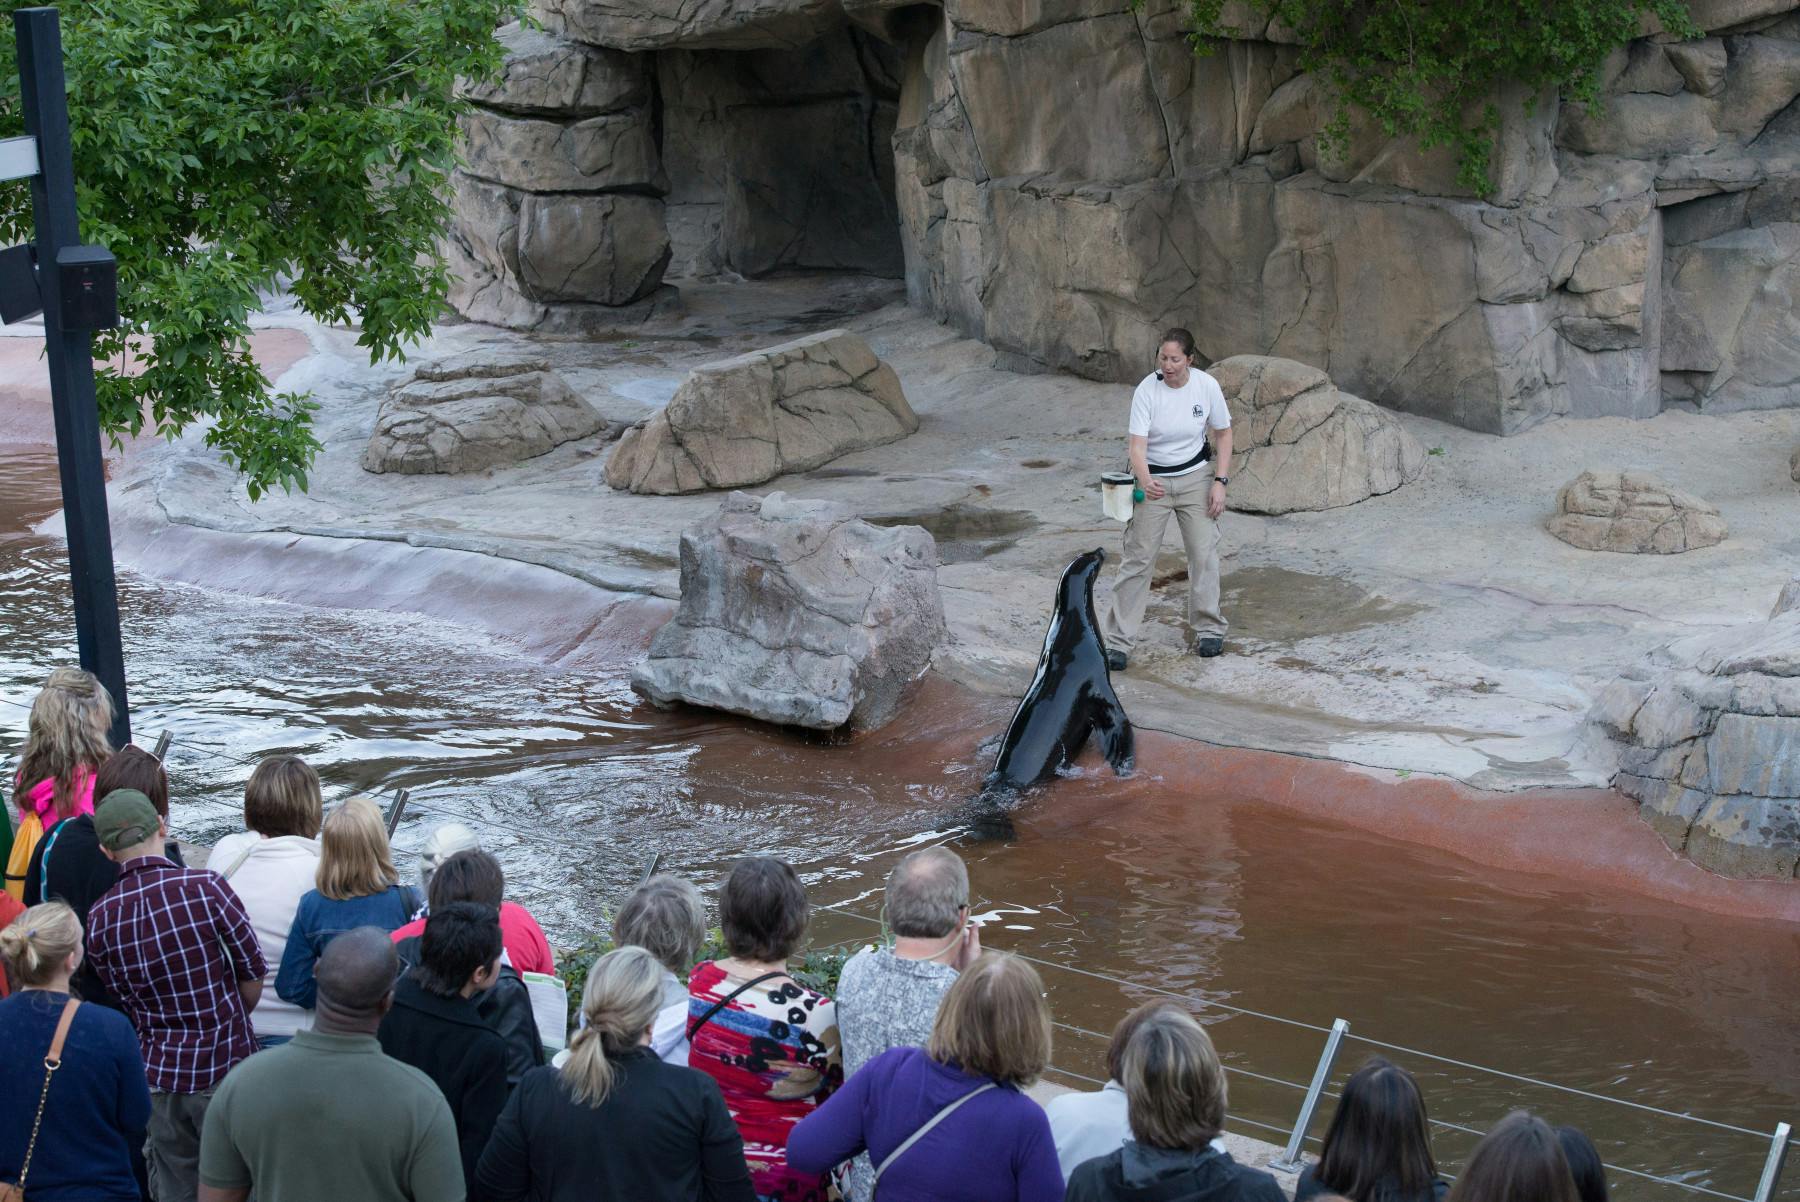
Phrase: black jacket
pixel 1309 1186
pixel 662 1135
pixel 445 1038
pixel 1136 1173
pixel 80 874
pixel 506 1008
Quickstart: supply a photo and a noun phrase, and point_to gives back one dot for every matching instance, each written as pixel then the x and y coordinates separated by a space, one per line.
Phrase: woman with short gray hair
pixel 666 918
pixel 1175 1095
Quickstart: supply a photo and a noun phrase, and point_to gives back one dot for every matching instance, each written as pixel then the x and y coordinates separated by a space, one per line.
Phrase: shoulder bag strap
pixel 52 1062
pixel 920 1134
pixel 242 856
pixel 694 1027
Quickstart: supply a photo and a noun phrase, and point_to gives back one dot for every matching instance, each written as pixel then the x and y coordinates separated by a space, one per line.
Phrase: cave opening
pixel 781 160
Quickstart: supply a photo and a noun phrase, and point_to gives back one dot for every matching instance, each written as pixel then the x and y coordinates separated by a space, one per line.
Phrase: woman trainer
pixel 1182 474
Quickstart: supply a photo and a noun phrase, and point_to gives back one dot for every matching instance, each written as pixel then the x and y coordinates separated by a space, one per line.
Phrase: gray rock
pixel 1789 600
pixel 1762 79
pixel 1730 318
pixel 1710 735
pixel 1300 444
pixel 560 263
pixel 606 249
pixel 1701 64
pixel 1642 66
pixel 1794 466
pixel 1098 65
pixel 472 412
pixel 798 613
pixel 611 151
pixel 1634 513
pixel 554 76
pixel 1640 125
pixel 1711 15
pixel 790 408
pixel 711 24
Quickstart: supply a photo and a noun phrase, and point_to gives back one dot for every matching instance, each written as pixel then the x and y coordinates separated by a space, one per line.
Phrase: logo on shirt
pixel 1199 411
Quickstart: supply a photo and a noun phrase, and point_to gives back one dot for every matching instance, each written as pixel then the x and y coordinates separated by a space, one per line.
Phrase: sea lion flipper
pixel 1113 729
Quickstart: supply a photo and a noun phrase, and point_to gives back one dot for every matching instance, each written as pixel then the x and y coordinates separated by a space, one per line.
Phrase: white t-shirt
pixel 1175 420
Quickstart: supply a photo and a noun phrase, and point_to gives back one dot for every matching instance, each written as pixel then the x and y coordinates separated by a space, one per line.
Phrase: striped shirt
pixel 172 944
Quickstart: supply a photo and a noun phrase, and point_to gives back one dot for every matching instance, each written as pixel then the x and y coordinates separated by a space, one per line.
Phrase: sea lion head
pixel 1078 578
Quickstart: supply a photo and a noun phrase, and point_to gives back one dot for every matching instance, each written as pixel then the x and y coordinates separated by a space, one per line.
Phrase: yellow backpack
pixel 18 863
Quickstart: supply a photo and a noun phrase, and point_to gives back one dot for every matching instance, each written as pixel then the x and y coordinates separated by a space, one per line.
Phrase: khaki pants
pixel 1185 500
pixel 173 1146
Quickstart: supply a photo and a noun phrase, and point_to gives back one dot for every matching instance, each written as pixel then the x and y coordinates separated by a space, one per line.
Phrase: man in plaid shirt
pixel 175 946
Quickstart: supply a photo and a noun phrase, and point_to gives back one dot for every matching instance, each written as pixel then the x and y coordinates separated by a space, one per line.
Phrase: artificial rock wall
pixel 1065 178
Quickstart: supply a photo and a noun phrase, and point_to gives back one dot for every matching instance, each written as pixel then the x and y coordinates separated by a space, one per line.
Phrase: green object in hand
pixel 1137 496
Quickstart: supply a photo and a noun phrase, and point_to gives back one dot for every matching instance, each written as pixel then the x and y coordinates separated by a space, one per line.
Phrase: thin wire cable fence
pixel 1240 1119
pixel 416 810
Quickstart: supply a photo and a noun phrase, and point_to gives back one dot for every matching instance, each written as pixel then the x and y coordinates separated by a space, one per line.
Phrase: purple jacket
pixel 996 1148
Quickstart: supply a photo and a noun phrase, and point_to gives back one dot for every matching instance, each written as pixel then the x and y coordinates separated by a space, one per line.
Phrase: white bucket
pixel 1115 495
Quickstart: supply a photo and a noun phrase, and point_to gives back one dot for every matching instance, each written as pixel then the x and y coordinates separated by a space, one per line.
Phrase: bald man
pixel 328 1115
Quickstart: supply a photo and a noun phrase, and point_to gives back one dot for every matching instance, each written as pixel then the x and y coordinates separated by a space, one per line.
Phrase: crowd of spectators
pixel 294 1024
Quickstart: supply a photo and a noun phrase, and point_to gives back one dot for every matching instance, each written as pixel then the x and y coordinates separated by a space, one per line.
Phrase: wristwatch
pixel 1221 479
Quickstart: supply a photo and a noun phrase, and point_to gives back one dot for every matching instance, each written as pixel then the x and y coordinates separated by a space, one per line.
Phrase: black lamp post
pixel 77 288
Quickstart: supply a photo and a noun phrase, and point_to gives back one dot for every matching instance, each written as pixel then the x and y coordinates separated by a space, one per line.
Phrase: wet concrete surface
pixel 1436 630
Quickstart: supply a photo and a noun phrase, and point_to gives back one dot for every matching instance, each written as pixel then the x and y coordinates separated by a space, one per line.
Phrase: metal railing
pixel 1296 1137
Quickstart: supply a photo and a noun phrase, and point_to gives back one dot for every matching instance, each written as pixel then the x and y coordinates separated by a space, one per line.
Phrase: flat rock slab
pixel 1299 443
pixel 1634 513
pixel 469 413
pixel 1711 734
pixel 742 421
pixel 798 613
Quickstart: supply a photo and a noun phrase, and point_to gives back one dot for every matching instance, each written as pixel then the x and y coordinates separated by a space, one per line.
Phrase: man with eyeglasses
pixel 888 997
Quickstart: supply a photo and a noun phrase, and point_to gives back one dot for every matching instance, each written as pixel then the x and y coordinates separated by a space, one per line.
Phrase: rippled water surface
pixel 1156 882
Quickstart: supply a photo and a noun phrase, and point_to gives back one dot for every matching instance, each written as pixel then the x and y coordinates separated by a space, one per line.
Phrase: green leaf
pixel 221 148
pixel 1430 69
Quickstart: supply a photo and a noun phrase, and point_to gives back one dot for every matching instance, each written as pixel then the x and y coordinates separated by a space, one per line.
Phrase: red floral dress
pixel 773 1050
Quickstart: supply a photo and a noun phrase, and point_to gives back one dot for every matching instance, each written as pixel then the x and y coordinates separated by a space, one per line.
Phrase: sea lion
pixel 1070 698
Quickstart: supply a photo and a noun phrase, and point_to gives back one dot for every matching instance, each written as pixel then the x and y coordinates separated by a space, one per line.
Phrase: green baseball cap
pixel 125 819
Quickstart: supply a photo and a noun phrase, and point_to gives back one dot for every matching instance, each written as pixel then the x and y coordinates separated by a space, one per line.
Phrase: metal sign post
pixel 45 103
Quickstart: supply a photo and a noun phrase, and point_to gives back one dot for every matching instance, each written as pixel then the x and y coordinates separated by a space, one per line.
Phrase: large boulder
pixel 1633 512
pixel 741 421
pixel 799 613
pixel 471 412
pixel 1299 443
pixel 1711 734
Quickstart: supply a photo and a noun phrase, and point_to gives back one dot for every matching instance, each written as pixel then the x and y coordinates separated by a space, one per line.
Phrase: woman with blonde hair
pixel 65 744
pixel 950 1121
pixel 66 1132
pixel 272 865
pixel 358 886
pixel 615 1121
pixel 1175 1098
